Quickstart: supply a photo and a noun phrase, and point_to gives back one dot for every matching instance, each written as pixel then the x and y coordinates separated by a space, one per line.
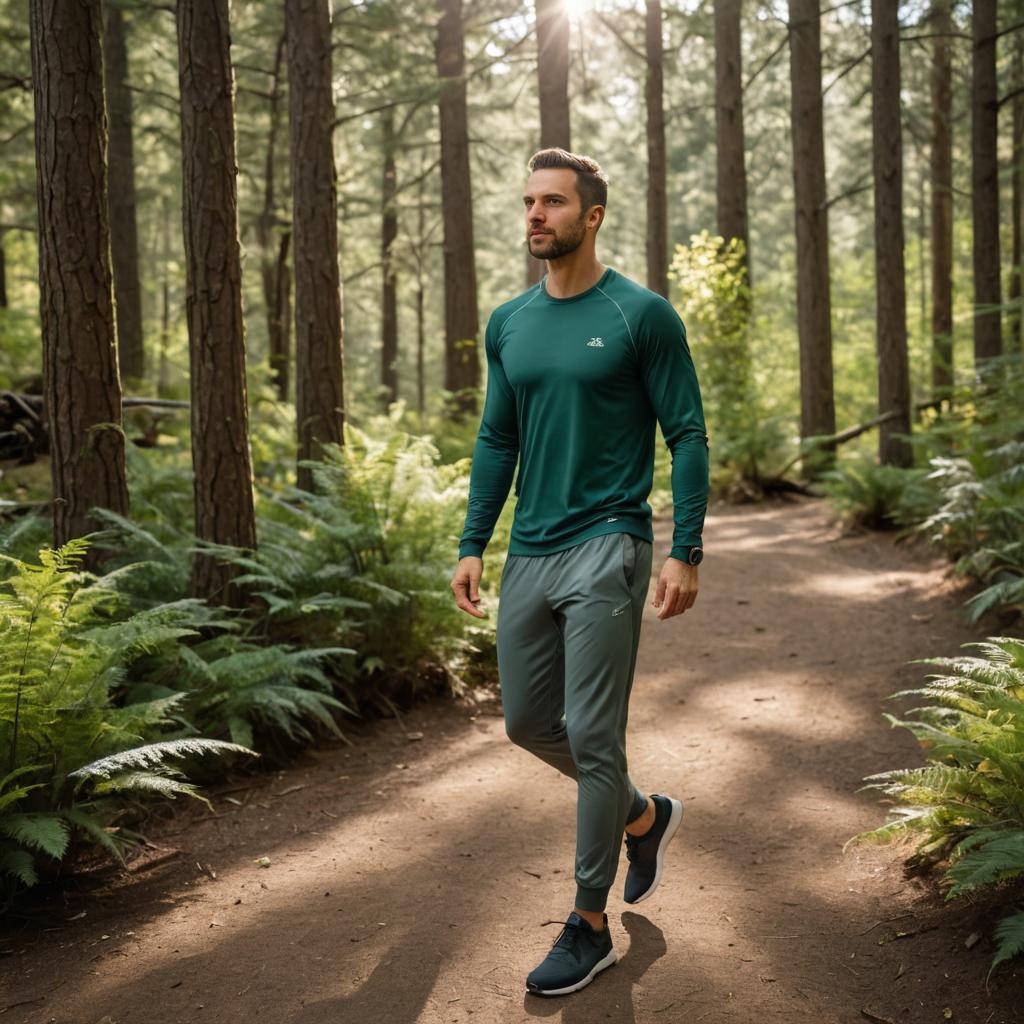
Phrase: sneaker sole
pixel 610 959
pixel 670 831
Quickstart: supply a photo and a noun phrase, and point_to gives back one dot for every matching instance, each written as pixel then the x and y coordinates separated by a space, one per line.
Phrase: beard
pixel 550 247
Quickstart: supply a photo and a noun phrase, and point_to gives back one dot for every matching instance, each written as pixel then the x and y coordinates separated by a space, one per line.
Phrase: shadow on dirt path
pixel 419 880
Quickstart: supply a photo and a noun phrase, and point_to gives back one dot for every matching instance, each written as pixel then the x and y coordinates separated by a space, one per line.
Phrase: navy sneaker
pixel 646 853
pixel 576 958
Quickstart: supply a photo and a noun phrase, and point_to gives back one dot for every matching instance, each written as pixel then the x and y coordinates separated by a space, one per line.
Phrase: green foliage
pixel 715 297
pixel 966 493
pixel 877 497
pixel 359 560
pixel 967 803
pixel 72 757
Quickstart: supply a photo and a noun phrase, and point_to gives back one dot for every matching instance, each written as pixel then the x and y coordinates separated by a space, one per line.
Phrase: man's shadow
pixel 609 997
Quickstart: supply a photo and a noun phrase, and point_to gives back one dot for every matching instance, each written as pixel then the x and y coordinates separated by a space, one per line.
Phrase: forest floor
pixel 419 874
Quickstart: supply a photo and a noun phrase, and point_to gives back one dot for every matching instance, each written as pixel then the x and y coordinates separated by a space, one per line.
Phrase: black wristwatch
pixel 695 555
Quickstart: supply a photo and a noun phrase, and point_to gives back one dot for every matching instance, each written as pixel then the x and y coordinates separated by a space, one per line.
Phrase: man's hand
pixel 677 588
pixel 466 585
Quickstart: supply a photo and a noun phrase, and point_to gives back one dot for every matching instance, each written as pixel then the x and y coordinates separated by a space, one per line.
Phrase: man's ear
pixel 595 217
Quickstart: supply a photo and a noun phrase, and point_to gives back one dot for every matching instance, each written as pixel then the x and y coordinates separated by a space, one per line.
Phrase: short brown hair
pixel 591 181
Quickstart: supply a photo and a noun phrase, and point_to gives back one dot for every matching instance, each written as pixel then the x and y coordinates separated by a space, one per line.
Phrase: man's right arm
pixel 494 455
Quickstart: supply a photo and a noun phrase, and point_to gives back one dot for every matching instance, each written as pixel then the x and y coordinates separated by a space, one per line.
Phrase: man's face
pixel 555 222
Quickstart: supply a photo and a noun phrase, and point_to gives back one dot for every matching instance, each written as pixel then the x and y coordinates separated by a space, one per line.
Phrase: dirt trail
pixel 411 879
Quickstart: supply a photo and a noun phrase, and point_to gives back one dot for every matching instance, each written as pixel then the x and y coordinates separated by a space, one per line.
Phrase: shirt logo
pixel 595 343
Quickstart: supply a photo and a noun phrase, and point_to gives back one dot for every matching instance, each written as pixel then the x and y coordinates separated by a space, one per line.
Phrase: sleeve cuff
pixel 471 547
pixel 682 551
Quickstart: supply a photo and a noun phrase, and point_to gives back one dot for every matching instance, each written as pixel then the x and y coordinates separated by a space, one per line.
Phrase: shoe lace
pixel 632 845
pixel 569 939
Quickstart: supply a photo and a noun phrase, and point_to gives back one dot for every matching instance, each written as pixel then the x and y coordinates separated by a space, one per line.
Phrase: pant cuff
pixel 592 899
pixel 638 807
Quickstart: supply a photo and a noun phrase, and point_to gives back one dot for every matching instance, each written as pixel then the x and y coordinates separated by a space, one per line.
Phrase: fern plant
pixel 71 758
pixel 966 805
pixel 877 497
pixel 358 562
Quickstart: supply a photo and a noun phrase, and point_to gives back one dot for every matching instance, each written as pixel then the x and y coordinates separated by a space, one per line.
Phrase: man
pixel 580 367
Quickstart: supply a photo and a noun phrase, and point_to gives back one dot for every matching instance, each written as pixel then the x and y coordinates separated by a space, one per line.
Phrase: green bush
pixel 716 308
pixel 876 497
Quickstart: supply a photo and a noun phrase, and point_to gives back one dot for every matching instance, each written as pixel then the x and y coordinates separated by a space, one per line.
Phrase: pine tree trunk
pixel 813 278
pixel 657 202
pixel 732 171
pixel 163 364
pixel 890 282
pixel 220 426
pixel 124 243
pixel 553 72
pixel 985 185
pixel 274 250
pixel 1016 318
pixel 421 329
pixel 942 202
pixel 81 385
pixel 552 19
pixel 319 392
pixel 389 291
pixel 462 359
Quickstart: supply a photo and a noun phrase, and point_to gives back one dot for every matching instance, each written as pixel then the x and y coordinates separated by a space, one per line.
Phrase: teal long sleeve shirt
pixel 575 388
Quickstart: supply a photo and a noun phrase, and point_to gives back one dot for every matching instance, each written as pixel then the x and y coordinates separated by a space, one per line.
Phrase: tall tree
pixel 813 278
pixel 732 170
pixel 319 392
pixel 553 72
pixel 890 284
pixel 1016 323
pixel 389 289
pixel 81 385
pixel 274 240
pixel 552 21
pixel 942 200
pixel 461 323
pixel 124 244
pixel 985 184
pixel 221 460
pixel 657 201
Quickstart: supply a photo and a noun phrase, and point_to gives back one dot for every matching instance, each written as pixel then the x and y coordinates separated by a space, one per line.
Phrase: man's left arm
pixel 670 380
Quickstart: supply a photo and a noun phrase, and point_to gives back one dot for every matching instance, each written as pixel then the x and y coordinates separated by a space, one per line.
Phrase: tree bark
pixel 985 185
pixel 274 250
pixel 553 72
pixel 419 255
pixel 319 391
pixel 163 371
pixel 124 241
pixel 1016 319
pixel 81 385
pixel 213 274
pixel 942 202
pixel 890 283
pixel 462 359
pixel 813 278
pixel 552 21
pixel 389 292
pixel 657 174
pixel 732 171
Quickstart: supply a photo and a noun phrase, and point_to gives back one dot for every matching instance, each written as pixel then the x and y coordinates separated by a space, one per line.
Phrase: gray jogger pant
pixel 567 634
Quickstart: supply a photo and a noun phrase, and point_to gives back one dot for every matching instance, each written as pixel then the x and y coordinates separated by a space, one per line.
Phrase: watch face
pixel 696 556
